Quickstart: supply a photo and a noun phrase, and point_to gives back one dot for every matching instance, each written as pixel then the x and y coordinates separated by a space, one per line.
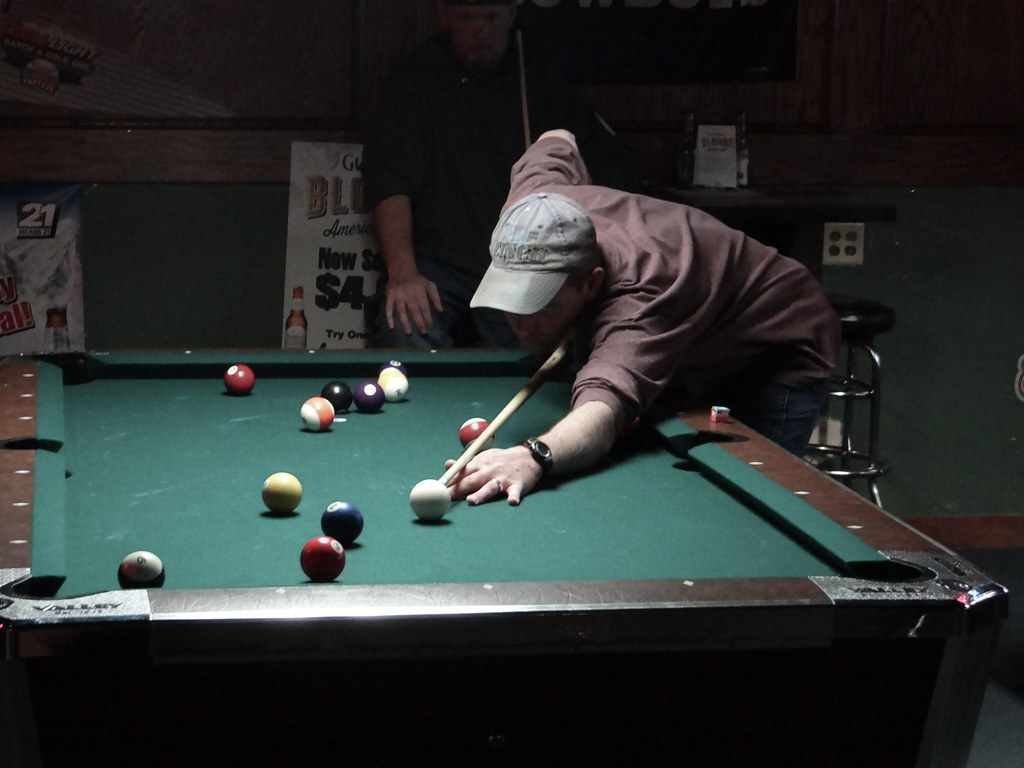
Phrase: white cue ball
pixel 430 499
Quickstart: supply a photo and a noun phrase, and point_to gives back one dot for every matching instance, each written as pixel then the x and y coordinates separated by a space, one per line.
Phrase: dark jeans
pixel 486 327
pixel 785 415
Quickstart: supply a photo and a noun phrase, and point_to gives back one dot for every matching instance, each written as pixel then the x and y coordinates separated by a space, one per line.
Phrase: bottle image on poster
pixel 295 325
pixel 57 338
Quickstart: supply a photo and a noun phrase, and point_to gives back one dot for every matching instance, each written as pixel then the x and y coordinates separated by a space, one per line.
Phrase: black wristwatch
pixel 540 453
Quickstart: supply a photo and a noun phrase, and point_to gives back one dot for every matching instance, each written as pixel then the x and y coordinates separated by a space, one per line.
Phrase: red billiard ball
pixel 472 429
pixel 317 414
pixel 322 558
pixel 368 397
pixel 239 379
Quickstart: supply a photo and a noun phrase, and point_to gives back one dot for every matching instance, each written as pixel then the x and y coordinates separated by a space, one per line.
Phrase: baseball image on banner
pixel 333 262
pixel 40 269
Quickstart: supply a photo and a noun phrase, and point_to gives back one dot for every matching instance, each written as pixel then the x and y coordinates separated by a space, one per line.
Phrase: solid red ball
pixel 239 379
pixel 322 558
pixel 472 429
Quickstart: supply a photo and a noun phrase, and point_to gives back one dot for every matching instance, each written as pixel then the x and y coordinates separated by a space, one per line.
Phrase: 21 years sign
pixel 40 269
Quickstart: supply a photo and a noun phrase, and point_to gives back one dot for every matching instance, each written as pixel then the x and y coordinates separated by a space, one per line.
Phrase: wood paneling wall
pixel 887 92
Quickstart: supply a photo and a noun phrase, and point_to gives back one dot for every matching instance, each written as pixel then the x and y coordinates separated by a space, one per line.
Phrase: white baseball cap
pixel 538 242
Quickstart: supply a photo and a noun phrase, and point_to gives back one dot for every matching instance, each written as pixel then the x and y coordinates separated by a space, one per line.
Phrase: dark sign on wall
pixel 666 41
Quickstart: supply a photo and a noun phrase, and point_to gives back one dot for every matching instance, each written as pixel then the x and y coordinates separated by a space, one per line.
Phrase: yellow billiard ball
pixel 282 492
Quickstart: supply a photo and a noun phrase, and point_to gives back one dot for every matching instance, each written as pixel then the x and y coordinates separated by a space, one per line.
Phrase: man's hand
pixel 509 471
pixel 409 300
pixel 409 295
pixel 576 442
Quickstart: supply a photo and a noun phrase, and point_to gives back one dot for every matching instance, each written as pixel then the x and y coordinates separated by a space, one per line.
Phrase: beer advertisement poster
pixel 40 269
pixel 333 265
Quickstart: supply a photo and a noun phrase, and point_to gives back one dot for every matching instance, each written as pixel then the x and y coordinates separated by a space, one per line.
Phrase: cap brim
pixel 517 291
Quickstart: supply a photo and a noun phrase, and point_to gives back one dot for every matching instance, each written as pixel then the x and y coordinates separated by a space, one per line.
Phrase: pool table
pixel 701 598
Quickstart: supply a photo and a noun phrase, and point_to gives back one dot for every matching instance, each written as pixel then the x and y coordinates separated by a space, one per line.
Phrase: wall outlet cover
pixel 843 244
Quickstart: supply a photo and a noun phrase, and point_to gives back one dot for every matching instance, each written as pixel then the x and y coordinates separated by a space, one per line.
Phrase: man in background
pixel 449 127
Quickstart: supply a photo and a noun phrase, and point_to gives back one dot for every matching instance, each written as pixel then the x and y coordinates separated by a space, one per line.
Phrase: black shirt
pixel 448 142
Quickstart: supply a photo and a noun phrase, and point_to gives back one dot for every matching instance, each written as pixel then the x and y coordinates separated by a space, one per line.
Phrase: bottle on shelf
pixel 685 152
pixel 742 152
pixel 295 325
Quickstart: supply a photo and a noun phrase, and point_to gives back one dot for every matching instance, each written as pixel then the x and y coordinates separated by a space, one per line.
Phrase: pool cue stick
pixel 521 397
pixel 522 88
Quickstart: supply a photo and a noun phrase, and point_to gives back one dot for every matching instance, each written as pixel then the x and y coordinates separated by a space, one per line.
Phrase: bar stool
pixel 860 379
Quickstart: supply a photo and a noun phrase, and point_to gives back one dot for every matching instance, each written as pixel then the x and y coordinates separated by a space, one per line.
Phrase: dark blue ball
pixel 342 521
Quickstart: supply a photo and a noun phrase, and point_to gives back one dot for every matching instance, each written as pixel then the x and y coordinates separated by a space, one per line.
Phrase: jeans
pixel 785 415
pixel 490 329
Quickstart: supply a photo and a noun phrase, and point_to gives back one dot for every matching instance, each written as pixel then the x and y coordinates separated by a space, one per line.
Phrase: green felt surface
pixel 802 521
pixel 174 465
pixel 49 504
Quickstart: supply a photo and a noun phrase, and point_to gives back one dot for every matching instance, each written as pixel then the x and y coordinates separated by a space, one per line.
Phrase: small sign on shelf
pixel 715 157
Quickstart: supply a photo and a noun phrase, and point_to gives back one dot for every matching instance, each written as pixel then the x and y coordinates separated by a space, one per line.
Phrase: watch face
pixel 540 452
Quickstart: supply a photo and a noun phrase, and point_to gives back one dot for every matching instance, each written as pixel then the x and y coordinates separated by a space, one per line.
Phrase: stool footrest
pixel 871 471
pixel 874 467
pixel 849 388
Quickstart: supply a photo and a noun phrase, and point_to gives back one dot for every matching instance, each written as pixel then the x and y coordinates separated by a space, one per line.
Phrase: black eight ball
pixel 338 394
